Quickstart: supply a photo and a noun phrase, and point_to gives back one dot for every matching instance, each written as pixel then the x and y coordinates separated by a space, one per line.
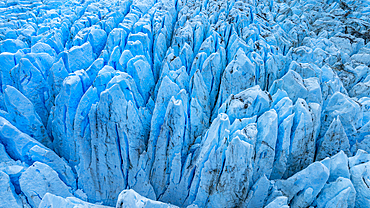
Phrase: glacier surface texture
pixel 185 103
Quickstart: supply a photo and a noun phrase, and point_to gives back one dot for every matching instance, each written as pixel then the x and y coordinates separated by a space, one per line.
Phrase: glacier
pixel 185 103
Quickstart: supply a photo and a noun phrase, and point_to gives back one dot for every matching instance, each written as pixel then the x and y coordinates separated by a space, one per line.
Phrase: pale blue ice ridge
pixel 185 103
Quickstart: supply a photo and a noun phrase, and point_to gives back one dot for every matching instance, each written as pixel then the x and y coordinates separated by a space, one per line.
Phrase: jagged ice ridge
pixel 185 103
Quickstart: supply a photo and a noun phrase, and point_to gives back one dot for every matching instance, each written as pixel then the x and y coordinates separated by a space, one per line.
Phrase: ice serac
pixel 330 82
pixel 201 103
pixel 334 140
pixel 339 166
pixel 111 165
pixel 200 109
pixel 8 197
pixel 292 83
pixel 176 171
pixel 22 114
pixel 43 48
pixel 9 62
pixel 31 82
pixel 129 198
pixel 258 193
pixel 212 70
pixel 57 73
pixel 62 118
pixel 78 57
pixel 341 190
pixel 81 133
pixel 252 101
pixel 141 71
pixel 11 45
pixel 267 128
pixel 116 121
pixel 282 148
pixel 340 200
pixel 239 75
pixel 40 179
pixel 303 187
pixel 171 147
pixel 166 90
pixel 210 162
pixel 359 178
pixel 245 129
pixel 281 202
pixel 237 169
pixel 97 39
pixel 4 157
pixel 347 110
pixel 302 139
pixel 55 201
pixel 22 147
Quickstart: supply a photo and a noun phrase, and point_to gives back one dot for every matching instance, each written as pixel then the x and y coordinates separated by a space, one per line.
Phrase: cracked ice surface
pixel 185 103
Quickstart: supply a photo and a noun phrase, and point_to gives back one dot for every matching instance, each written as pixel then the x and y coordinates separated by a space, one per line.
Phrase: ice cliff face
pixel 185 103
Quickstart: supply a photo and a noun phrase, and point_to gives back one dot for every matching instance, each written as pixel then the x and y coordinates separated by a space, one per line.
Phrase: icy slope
pixel 207 103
